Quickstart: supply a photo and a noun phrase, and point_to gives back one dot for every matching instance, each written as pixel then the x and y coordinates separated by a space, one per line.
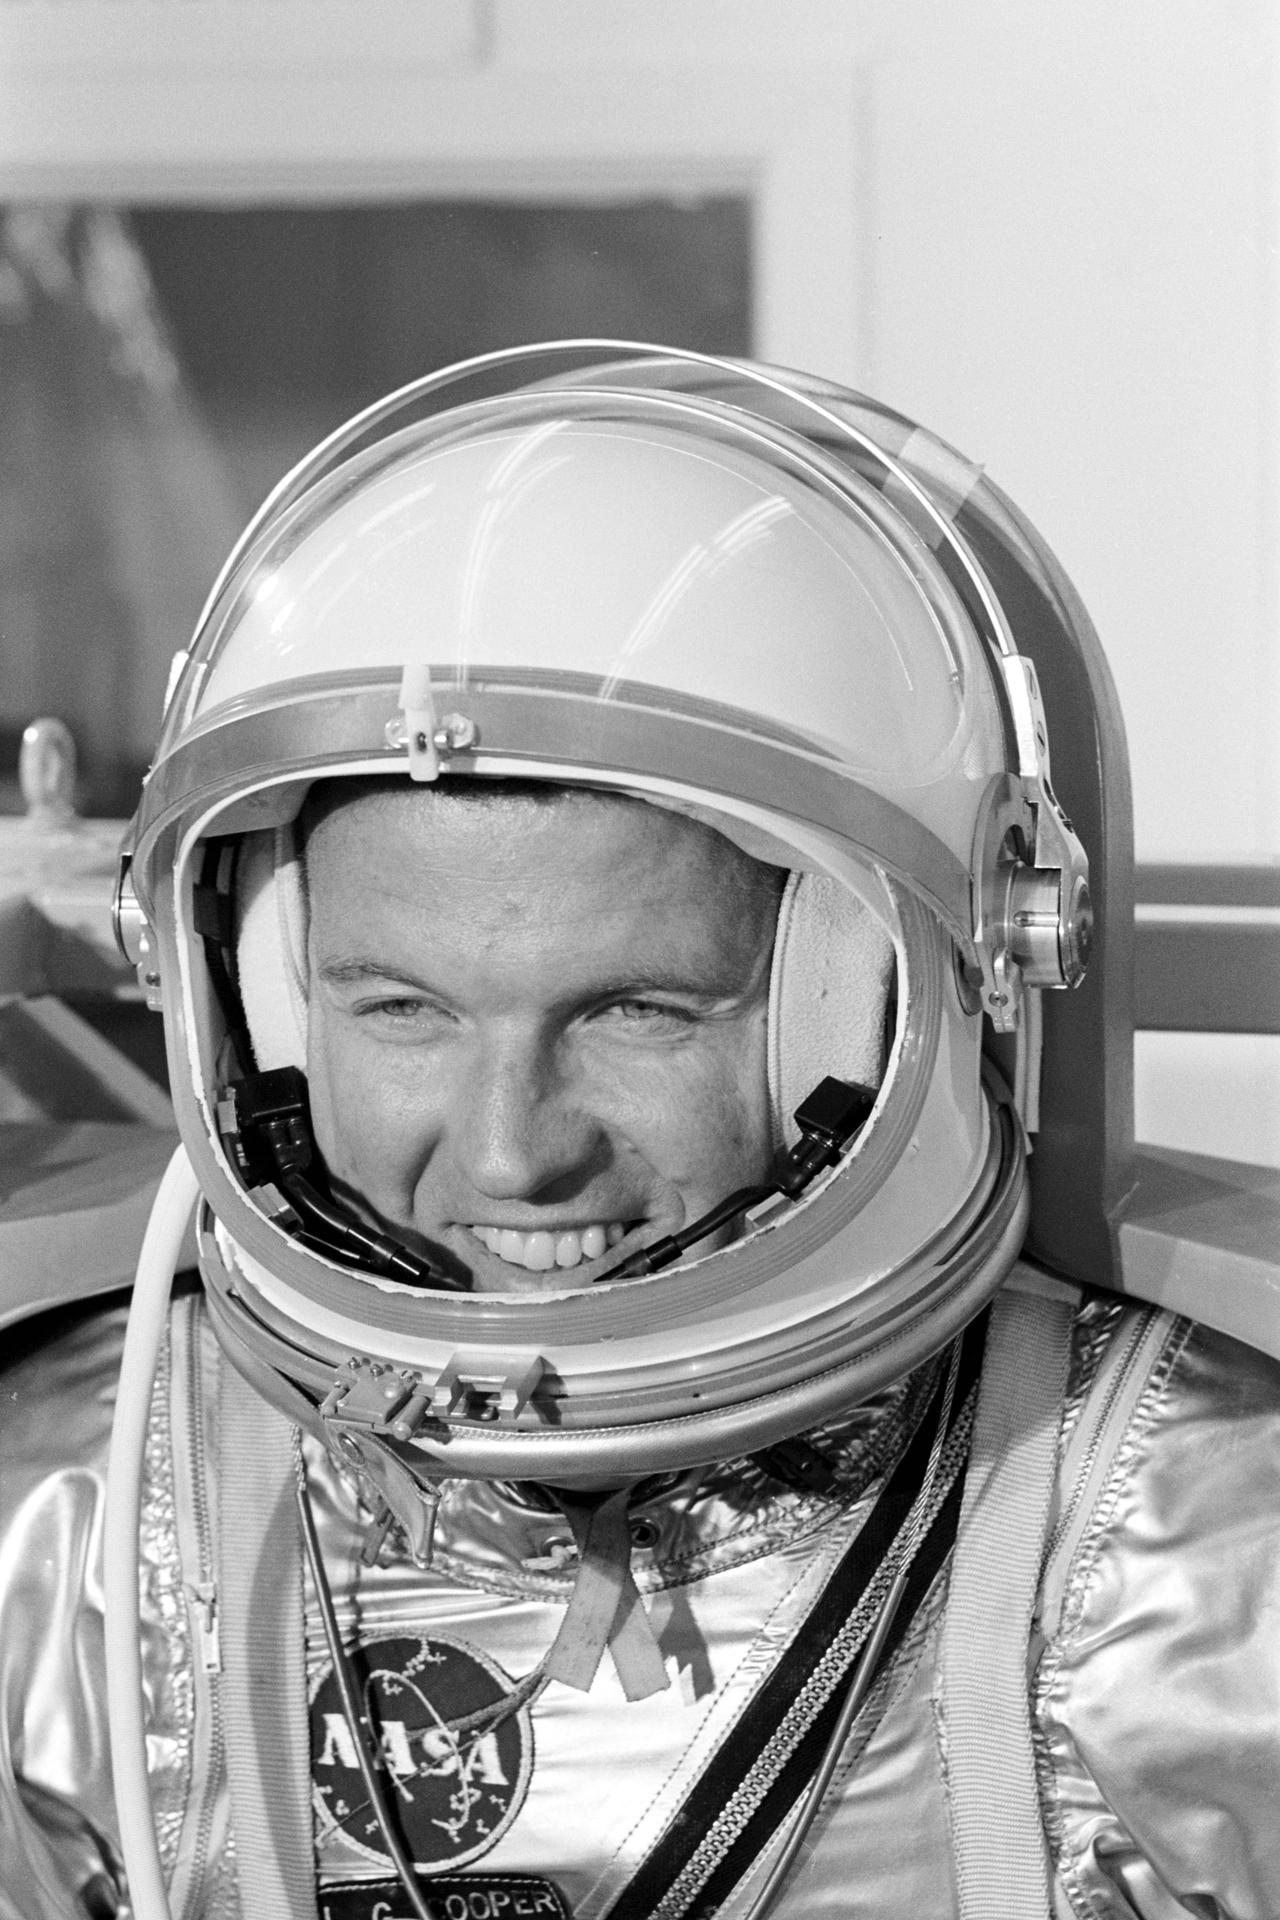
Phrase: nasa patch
pixel 454 1788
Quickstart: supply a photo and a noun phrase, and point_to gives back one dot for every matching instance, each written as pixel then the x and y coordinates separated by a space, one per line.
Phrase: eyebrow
pixel 354 972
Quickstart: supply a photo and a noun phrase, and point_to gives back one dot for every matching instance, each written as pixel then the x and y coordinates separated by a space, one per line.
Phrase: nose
pixel 516 1130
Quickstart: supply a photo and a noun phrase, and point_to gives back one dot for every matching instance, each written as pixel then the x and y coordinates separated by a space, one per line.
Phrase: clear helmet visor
pixel 696 569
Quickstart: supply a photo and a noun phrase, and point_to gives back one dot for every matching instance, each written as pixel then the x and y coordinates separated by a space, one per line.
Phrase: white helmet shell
pixel 747 612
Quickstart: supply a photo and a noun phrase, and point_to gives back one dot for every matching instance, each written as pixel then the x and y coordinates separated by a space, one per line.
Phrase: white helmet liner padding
pixel 271 946
pixel 832 966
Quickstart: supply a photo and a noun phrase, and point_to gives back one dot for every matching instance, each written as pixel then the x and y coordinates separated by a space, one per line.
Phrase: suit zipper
pixel 1090 1455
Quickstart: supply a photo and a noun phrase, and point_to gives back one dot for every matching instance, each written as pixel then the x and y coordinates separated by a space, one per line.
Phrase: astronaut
pixel 600 873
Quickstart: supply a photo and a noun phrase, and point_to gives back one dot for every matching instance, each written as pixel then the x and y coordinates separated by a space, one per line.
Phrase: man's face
pixel 536 1034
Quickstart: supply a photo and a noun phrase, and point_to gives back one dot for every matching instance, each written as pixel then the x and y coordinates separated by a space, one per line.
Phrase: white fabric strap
pixel 264 1680
pixel 984 1708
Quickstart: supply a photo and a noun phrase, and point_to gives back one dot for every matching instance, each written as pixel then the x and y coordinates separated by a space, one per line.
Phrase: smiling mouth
pixel 542 1250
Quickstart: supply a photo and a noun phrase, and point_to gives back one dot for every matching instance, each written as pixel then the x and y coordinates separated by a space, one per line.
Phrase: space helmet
pixel 723 589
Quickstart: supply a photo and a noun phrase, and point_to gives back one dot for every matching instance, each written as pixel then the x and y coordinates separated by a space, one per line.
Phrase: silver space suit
pixel 1154 1673
pixel 617 1462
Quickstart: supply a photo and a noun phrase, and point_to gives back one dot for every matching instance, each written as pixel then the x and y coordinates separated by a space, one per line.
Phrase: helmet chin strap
pixel 605 1608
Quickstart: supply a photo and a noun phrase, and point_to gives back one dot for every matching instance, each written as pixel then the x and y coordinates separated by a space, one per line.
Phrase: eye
pixel 401 1010
pixel 647 1017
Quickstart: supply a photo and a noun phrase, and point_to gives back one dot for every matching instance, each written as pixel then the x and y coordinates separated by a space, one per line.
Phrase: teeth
pixel 540 1251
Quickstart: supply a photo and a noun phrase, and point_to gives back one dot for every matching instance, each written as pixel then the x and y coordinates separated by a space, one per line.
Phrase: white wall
pixel 1049 232
pixel 1072 276
pixel 1071 273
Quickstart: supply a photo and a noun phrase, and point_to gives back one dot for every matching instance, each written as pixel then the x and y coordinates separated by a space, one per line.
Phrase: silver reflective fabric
pixel 1156 1688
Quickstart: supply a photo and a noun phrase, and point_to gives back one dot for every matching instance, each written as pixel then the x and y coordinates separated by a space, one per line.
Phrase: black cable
pixel 213 917
pixel 338 1231
pixel 660 1253
pixel 269 1136
pixel 355 1719
pixel 829 1119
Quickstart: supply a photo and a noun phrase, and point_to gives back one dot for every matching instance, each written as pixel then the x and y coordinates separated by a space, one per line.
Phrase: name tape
pixel 450 1896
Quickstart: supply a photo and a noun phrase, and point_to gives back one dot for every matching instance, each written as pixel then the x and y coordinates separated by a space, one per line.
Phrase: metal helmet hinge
pixel 134 935
pixel 1032 911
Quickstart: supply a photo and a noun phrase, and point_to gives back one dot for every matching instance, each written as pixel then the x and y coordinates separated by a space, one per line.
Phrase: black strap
pixel 795 1775
pixel 739 1752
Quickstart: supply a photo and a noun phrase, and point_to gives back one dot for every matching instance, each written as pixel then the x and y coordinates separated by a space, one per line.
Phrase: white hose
pixel 161 1250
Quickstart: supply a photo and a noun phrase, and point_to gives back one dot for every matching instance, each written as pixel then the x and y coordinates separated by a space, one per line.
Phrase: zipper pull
pixel 202 1597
